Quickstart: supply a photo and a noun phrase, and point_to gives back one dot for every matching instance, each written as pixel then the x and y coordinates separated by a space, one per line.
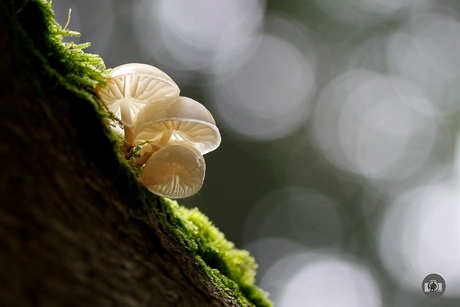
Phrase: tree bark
pixel 69 233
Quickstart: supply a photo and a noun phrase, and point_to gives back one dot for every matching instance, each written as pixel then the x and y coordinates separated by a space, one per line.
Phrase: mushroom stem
pixel 165 137
pixel 145 153
pixel 125 112
pixel 149 149
pixel 129 135
pixel 138 162
pixel 127 121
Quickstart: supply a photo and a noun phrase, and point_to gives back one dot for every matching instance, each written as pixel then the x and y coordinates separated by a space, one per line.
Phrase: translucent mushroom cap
pixel 133 86
pixel 184 120
pixel 174 171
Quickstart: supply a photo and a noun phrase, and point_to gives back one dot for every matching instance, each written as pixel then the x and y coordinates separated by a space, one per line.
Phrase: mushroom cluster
pixel 171 132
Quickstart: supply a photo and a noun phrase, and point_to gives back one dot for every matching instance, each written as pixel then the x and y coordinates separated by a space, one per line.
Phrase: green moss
pixel 66 68
pixel 232 270
pixel 64 62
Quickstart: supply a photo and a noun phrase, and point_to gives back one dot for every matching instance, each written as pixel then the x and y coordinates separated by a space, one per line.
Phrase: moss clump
pixel 65 67
pixel 64 62
pixel 232 271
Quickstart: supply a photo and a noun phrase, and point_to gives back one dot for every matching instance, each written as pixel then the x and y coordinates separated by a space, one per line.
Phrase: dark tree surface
pixel 68 236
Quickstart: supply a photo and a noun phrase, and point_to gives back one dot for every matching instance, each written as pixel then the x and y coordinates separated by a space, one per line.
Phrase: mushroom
pixel 133 86
pixel 174 171
pixel 182 120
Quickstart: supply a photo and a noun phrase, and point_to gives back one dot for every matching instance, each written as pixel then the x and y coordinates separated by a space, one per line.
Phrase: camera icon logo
pixel 433 286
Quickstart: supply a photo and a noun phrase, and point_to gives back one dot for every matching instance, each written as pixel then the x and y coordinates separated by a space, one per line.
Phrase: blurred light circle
pixel 366 12
pixel 374 125
pixel 419 235
pixel 321 278
pixel 187 34
pixel 426 51
pixel 268 96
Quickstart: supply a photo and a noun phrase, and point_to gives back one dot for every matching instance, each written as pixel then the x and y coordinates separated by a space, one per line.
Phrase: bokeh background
pixel 339 167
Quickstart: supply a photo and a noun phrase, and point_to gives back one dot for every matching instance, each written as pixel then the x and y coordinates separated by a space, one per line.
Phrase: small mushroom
pixel 133 86
pixel 183 120
pixel 174 171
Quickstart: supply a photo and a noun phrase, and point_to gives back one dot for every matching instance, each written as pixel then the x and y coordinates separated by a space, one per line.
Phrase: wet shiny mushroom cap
pixel 174 171
pixel 182 120
pixel 133 86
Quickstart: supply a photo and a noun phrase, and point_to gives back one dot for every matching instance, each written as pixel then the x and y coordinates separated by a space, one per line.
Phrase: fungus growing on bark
pixel 172 132
pixel 133 86
pixel 175 171
pixel 183 127
pixel 182 120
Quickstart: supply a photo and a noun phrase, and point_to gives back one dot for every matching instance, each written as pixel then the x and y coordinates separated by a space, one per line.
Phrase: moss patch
pixel 66 68
pixel 231 270
pixel 65 63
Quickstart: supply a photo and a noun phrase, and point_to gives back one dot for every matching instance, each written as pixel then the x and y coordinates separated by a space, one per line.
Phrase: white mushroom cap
pixel 174 171
pixel 183 120
pixel 133 86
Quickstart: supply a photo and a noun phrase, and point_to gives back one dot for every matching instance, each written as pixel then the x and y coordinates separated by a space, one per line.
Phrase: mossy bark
pixel 71 230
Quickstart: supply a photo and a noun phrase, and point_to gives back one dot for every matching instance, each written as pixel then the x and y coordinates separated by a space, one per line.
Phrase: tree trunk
pixel 70 233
